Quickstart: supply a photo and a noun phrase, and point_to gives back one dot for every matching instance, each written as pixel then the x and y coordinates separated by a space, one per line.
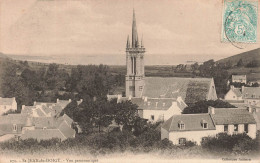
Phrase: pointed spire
pixel 142 44
pixel 128 42
pixel 134 31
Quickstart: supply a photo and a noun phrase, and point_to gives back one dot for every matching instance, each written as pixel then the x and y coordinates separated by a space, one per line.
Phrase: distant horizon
pixel 81 59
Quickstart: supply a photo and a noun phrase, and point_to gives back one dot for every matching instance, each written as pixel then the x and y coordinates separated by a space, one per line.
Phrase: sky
pixel 100 27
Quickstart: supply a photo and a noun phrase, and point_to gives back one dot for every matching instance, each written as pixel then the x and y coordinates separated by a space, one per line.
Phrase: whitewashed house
pixel 239 79
pixel 157 109
pixel 195 127
pixel 233 94
pixel 7 104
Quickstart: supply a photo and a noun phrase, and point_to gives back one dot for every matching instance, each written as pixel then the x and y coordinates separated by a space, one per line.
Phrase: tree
pixel 202 106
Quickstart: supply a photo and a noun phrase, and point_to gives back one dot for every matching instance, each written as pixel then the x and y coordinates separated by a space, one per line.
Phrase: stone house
pixel 195 127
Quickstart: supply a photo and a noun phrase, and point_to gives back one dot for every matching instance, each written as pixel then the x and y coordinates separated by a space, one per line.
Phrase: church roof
pixel 190 89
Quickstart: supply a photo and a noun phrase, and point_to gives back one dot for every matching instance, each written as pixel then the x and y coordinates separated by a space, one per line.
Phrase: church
pixel 159 97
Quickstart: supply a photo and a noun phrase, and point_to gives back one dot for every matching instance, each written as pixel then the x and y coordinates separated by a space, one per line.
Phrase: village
pixel 158 99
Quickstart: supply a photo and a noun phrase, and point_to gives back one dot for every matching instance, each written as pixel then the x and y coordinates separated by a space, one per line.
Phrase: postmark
pixel 239 22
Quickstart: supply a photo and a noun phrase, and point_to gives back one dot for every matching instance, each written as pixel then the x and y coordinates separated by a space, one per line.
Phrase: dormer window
pixel 14 127
pixel 204 124
pixel 181 125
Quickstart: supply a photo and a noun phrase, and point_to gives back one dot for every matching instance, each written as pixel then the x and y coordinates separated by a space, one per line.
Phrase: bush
pixel 238 143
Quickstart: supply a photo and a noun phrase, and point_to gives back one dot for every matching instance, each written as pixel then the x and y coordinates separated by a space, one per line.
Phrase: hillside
pixel 246 57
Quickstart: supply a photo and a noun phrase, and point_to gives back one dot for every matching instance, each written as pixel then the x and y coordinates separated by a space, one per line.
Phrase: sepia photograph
pixel 133 81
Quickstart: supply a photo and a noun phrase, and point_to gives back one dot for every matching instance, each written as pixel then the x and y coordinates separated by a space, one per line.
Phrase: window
pixel 204 138
pixel 181 125
pixel 246 128
pixel 140 88
pixel 205 125
pixel 182 141
pixel 225 128
pixel 152 117
pixel 14 127
pixel 235 127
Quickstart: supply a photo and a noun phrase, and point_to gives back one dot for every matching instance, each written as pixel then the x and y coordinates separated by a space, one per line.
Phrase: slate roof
pixel 237 92
pixel 192 122
pixel 6 101
pixel 238 77
pixel 251 92
pixel 232 116
pixel 190 89
pixel 41 134
pixel 154 103
pixel 13 119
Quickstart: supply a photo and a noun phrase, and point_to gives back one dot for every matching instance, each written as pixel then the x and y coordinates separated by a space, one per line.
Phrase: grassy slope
pixel 246 57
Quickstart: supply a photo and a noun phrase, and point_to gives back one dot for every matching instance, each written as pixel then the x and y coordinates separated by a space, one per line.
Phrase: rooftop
pixel 6 101
pixel 190 89
pixel 232 116
pixel 192 122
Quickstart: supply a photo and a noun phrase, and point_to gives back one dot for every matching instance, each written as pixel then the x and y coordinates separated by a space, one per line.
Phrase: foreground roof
pixel 192 122
pixel 237 77
pixel 232 116
pixel 190 89
pixel 154 103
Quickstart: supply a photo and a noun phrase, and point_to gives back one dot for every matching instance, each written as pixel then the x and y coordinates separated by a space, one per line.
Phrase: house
pixel 7 104
pixel 45 109
pixel 234 94
pixel 40 128
pixel 195 127
pixel 251 95
pixel 156 109
pixel 239 79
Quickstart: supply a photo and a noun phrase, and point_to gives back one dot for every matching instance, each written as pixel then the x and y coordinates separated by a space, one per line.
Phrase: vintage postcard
pixel 110 81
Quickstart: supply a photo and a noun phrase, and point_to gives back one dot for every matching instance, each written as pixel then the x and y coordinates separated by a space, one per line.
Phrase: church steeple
pixel 135 64
pixel 134 31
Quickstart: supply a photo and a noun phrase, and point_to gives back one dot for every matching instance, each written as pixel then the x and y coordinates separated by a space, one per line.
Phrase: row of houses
pixel 41 121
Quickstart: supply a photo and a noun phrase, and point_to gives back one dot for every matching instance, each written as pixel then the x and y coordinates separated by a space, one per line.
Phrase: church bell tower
pixel 135 64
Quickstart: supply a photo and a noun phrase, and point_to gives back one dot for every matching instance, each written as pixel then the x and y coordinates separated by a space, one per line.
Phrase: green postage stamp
pixel 240 21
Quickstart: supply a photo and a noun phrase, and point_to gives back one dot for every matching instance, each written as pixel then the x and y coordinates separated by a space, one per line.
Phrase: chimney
pixel 243 88
pixel 163 104
pixel 211 110
pixel 145 99
pixel 232 87
pixel 69 100
pixel 130 97
pixel 58 100
pixel 249 109
pixel 119 96
pixel 23 106
pixel 94 98
pixel 81 100
pixel 34 103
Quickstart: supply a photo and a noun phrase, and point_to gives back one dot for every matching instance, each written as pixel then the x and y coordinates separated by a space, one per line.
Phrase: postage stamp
pixel 239 21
